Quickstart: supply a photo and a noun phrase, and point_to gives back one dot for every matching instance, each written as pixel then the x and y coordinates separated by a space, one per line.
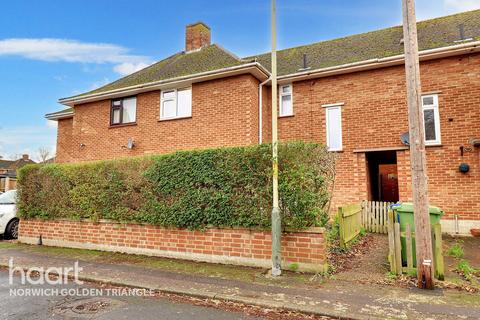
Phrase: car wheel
pixel 12 229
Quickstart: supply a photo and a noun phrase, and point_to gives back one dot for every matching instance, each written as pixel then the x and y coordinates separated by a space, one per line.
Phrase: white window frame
pixel 281 95
pixel 436 114
pixel 327 125
pixel 175 99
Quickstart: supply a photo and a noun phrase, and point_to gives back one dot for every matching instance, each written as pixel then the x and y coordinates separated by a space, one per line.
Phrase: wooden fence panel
pixel 350 218
pixel 391 243
pixel 438 262
pixel 408 243
pixel 375 216
pixel 395 248
pixel 398 248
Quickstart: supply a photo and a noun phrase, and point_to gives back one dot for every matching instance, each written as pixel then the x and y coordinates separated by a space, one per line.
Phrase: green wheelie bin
pixel 404 215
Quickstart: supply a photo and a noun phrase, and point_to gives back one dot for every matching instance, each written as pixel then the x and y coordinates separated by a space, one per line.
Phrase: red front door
pixel 388 182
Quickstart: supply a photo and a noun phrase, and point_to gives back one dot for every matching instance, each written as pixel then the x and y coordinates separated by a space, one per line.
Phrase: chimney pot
pixel 461 29
pixel 197 36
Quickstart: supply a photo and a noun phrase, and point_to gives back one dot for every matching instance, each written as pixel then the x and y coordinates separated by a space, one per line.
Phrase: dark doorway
pixel 382 176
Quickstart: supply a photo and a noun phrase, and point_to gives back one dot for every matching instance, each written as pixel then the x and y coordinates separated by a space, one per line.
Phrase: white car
pixel 8 215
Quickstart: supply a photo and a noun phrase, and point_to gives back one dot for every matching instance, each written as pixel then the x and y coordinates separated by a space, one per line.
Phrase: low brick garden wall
pixel 230 246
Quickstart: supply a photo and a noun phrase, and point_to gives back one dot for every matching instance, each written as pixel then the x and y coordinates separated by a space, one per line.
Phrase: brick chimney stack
pixel 197 36
pixel 25 157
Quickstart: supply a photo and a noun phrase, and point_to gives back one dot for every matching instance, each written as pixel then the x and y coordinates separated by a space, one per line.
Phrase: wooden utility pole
pixel 423 237
pixel 276 220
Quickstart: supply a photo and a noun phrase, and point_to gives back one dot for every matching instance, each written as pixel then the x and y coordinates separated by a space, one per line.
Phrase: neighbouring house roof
pixel 17 164
pixel 8 168
pixel 432 34
pixel 50 160
pixel 4 164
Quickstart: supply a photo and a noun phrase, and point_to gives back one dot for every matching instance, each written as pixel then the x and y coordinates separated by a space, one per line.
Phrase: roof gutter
pixel 381 62
pixel 254 67
pixel 59 115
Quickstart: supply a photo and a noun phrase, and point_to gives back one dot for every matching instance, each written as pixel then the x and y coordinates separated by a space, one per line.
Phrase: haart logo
pixel 41 276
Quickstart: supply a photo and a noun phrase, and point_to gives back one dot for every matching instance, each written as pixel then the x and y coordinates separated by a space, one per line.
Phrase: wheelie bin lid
pixel 408 207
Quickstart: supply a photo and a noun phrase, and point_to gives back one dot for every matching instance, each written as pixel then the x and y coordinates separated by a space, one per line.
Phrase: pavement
pixel 334 298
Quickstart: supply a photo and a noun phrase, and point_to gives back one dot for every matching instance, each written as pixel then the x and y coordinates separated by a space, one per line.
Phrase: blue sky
pixel 52 48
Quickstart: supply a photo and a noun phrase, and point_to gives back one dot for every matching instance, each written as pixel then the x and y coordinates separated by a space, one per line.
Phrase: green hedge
pixel 226 187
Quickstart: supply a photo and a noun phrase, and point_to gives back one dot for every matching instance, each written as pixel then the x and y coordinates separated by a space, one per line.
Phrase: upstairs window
pixel 123 111
pixel 334 128
pixel 431 119
pixel 286 100
pixel 176 103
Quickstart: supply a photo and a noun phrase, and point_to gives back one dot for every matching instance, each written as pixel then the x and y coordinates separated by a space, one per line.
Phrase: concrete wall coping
pixel 317 230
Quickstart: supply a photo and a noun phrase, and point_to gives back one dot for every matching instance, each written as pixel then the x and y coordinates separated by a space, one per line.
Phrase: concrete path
pixel 340 299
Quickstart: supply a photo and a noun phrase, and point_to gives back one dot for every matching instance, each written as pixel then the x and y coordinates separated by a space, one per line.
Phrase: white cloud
pixel 427 9
pixel 52 124
pixel 19 140
pixel 127 68
pixel 48 49
pixel 462 5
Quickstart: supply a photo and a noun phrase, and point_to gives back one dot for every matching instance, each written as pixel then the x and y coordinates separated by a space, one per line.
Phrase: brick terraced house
pixel 347 93
pixel 8 172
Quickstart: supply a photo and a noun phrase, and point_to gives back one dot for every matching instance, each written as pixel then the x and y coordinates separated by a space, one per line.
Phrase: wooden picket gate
pixel 350 219
pixel 395 248
pixel 375 216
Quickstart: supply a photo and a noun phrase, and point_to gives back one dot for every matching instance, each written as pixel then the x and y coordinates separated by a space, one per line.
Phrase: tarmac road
pixel 91 307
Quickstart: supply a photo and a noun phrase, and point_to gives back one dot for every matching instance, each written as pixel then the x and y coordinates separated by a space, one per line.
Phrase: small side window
pixel 286 100
pixel 431 119
pixel 334 128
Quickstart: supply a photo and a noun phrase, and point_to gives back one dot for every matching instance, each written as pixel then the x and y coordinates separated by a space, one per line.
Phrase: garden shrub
pixel 225 187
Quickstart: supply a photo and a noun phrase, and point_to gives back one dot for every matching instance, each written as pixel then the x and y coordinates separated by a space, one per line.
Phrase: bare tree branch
pixel 43 154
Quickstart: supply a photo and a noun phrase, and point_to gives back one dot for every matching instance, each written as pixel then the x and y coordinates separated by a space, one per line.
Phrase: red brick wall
pixel 224 113
pixel 375 115
pixel 239 246
pixel 65 141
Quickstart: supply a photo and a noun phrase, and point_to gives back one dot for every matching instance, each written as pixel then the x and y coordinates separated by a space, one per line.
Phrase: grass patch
pixel 467 270
pixel 412 273
pixel 293 266
pixel 456 251
pixel 390 277
pixel 6 245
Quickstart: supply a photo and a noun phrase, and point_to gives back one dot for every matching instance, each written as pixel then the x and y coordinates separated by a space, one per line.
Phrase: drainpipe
pixel 260 110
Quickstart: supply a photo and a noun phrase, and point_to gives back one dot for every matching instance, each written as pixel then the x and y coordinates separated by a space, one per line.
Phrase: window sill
pixel 433 145
pixel 287 116
pixel 176 118
pixel 336 151
pixel 113 126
